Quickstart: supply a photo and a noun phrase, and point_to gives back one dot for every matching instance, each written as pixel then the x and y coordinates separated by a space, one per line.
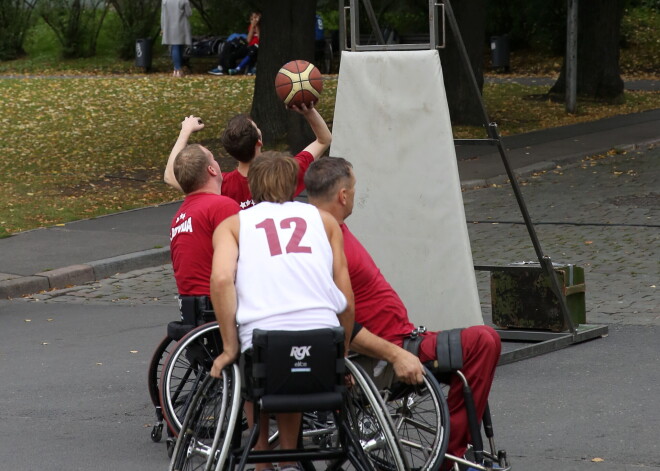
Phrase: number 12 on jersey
pixel 273 238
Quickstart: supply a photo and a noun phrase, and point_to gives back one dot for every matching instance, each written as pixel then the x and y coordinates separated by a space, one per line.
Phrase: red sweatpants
pixel 481 351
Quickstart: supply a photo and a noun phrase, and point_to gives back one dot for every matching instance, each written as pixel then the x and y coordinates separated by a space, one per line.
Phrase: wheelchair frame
pixel 368 433
pixel 424 439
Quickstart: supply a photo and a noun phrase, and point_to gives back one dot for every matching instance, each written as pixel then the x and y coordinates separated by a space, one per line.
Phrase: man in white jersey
pixel 290 274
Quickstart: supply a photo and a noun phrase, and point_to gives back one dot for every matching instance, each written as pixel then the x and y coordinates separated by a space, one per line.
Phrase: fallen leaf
pixel 134 351
pixel 99 364
pixel 28 320
pixel 588 242
pixel 597 460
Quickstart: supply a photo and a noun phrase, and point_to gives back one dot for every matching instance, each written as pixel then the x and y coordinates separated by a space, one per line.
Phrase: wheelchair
pixel 420 413
pixel 195 311
pixel 356 433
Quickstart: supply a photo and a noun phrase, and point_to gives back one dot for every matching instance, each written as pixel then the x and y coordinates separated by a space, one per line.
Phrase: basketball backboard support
pixel 376 87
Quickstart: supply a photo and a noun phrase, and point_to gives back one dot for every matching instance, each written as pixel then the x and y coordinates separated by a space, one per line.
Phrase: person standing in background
pixel 175 26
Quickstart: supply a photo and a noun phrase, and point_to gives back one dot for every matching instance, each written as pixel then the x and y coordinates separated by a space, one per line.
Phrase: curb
pixel 80 274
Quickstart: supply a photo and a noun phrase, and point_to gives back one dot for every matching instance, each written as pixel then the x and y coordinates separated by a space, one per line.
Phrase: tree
pixel 76 24
pixel 599 32
pixel 15 20
pixel 464 105
pixel 287 33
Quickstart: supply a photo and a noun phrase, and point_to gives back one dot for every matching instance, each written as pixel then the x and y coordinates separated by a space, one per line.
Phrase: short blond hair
pixel 273 176
pixel 190 168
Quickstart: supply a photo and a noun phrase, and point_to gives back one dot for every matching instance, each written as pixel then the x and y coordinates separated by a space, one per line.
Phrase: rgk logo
pixel 300 352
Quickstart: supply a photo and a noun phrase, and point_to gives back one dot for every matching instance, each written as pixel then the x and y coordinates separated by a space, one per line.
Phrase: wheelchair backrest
pixel 296 362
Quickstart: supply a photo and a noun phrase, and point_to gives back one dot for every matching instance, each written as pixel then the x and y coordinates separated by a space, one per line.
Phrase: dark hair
pixel 324 177
pixel 240 137
pixel 273 177
pixel 190 167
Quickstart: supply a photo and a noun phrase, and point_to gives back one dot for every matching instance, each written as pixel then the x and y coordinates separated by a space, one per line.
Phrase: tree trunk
pixel 287 33
pixel 464 105
pixel 599 31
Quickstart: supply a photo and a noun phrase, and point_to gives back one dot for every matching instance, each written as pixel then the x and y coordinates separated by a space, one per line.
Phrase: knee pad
pixel 449 351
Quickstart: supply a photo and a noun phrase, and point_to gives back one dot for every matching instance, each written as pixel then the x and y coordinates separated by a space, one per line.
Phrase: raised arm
pixel 223 290
pixel 340 273
pixel 189 125
pixel 319 127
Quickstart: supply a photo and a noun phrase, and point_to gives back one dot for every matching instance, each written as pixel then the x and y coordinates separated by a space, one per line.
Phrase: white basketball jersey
pixel 284 274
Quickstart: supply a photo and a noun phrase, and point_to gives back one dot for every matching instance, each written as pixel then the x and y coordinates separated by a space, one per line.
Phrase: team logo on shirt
pixel 185 226
pixel 247 204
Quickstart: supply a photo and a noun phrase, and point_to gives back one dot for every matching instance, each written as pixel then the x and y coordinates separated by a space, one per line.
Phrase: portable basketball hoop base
pixel 518 344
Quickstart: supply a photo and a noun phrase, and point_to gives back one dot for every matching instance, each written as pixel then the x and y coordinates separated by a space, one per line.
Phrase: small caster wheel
pixel 171 442
pixel 501 459
pixel 157 432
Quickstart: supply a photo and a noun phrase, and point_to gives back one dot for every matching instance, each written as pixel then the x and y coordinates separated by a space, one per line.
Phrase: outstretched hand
pixel 192 124
pixel 302 109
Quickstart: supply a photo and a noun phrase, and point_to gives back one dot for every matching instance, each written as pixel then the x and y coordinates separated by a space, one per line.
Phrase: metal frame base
pixel 544 342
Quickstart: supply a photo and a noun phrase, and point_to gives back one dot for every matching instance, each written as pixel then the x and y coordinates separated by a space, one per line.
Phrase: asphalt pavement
pixel 90 300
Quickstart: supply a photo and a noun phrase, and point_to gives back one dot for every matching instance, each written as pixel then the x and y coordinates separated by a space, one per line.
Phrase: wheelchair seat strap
pixel 449 351
pixel 412 345
pixel 413 342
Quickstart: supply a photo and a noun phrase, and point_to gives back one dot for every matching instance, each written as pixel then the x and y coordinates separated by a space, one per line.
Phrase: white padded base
pixel 392 123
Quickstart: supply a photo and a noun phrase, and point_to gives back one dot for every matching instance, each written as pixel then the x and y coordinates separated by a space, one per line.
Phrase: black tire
pixel 367 417
pixel 153 381
pixel 156 366
pixel 187 366
pixel 191 452
pixel 207 428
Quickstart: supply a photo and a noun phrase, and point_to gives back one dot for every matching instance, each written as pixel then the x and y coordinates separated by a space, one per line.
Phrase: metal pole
pixel 374 22
pixel 493 133
pixel 342 25
pixel 571 56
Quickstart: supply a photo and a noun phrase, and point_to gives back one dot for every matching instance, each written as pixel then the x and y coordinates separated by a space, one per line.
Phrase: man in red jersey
pixel 202 210
pixel 242 139
pixel 330 186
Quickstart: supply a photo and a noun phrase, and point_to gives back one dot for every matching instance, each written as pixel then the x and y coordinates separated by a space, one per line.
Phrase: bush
pixel 76 23
pixel 15 21
pixel 139 19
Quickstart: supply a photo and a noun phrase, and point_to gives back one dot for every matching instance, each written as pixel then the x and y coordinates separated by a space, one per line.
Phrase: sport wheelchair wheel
pixel 187 366
pixel 366 414
pixel 215 408
pixel 153 380
pixel 421 418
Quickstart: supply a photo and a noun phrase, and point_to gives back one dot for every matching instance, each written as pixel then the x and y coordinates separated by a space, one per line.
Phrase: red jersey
pixel 235 185
pixel 377 306
pixel 191 245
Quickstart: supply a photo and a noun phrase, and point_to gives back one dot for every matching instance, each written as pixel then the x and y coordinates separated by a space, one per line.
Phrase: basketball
pixel 298 82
